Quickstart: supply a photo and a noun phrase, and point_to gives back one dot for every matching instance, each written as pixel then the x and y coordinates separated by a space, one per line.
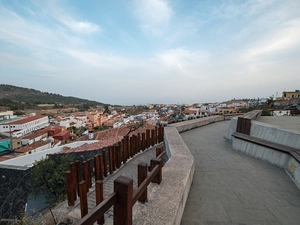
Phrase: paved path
pixel 284 122
pixel 231 188
pixel 62 211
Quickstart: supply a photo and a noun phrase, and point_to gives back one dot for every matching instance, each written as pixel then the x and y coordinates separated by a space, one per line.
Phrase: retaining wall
pixel 166 201
pixel 274 134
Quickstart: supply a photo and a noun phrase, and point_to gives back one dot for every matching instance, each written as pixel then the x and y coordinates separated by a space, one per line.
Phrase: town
pixel 28 134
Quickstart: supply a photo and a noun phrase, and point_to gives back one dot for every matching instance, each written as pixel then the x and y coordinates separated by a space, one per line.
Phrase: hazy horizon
pixel 151 51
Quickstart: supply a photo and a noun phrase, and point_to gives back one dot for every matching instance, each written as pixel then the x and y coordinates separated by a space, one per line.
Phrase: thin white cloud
pixel 81 27
pixel 154 15
pixel 64 17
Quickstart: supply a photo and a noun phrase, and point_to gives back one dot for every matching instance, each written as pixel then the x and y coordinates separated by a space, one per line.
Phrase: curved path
pixel 232 188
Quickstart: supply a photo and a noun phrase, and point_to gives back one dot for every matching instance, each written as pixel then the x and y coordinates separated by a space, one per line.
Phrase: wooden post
pixel 120 144
pixel 124 150
pixel 73 175
pixel 153 163
pixel 89 178
pixel 138 142
pixel 69 186
pixel 143 141
pixel 131 146
pixel 147 138
pixel 100 159
pixel 86 173
pixel 104 163
pixel 83 198
pixel 162 133
pixel 159 134
pixel 78 175
pixel 123 187
pixel 114 158
pixel 152 138
pixel 97 167
pixel 156 135
pixel 142 175
pixel 99 198
pixel 158 151
pixel 110 152
pixel 118 156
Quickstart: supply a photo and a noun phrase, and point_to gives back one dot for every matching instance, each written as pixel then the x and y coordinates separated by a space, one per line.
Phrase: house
pixel 63 136
pixel 24 126
pixel 291 94
pixel 38 135
pixel 36 146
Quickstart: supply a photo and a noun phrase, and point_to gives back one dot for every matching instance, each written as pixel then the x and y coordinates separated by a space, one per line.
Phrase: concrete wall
pixel 191 124
pixel 274 134
pixel 165 206
pixel 231 128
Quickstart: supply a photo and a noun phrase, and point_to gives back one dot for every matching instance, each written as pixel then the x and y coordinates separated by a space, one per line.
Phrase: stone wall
pixel 166 201
pixel 13 191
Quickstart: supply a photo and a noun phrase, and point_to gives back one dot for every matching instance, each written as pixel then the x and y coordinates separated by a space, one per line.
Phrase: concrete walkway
pixel 62 212
pixel 232 188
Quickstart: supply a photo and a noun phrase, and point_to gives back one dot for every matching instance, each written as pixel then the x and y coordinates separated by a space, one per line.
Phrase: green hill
pixel 19 97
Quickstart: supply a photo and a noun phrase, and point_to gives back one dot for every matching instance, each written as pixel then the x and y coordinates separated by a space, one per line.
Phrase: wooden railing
pixel 244 121
pixel 124 197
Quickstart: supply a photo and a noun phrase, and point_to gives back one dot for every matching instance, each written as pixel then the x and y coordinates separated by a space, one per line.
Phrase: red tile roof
pixel 62 133
pixel 32 146
pixel 107 138
pixel 26 120
pixel 38 133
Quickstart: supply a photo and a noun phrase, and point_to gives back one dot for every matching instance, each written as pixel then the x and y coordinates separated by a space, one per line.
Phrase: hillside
pixel 11 96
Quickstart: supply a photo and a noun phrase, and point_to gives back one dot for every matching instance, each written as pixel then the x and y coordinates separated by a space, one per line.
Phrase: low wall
pixel 274 134
pixel 191 124
pixel 166 201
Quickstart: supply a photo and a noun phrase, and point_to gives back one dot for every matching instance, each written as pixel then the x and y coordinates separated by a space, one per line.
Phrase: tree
pixel 106 109
pixel 48 177
pixel 134 126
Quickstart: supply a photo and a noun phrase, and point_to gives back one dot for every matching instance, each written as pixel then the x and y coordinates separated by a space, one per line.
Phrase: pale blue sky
pixel 151 51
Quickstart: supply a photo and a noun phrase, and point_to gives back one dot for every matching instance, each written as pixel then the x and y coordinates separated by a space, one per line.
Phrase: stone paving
pixel 232 188
pixel 129 169
pixel 63 212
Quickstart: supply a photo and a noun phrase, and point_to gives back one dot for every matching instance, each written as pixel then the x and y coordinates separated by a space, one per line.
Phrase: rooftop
pixel 26 120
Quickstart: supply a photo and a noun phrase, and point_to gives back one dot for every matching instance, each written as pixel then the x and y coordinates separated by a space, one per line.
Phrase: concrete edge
pixel 274 157
pixel 166 201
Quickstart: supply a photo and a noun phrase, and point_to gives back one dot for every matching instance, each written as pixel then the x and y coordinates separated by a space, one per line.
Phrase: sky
pixel 151 51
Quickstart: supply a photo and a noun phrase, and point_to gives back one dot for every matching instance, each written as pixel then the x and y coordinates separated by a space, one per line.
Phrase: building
pixel 6 115
pixel 291 94
pixel 24 126
pixel 36 146
pixel 5 145
pixel 62 136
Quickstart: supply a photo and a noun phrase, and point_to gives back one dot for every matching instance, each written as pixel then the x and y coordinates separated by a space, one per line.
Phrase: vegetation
pixel 134 126
pixel 48 177
pixel 77 131
pixel 19 98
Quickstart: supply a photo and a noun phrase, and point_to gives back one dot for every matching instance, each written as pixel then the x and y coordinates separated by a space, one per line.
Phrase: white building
pixel 24 126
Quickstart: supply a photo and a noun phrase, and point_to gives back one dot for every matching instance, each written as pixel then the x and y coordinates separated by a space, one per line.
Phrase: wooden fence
pixel 124 197
pixel 79 177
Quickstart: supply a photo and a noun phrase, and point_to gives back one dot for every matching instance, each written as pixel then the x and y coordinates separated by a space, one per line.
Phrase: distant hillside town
pixel 32 133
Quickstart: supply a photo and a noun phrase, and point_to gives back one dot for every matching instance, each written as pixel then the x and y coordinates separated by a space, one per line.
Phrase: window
pixel 284 95
pixel 293 96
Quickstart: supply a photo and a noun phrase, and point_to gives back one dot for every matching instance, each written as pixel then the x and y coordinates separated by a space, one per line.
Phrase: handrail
pixel 138 192
pixel 161 155
pixel 99 210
